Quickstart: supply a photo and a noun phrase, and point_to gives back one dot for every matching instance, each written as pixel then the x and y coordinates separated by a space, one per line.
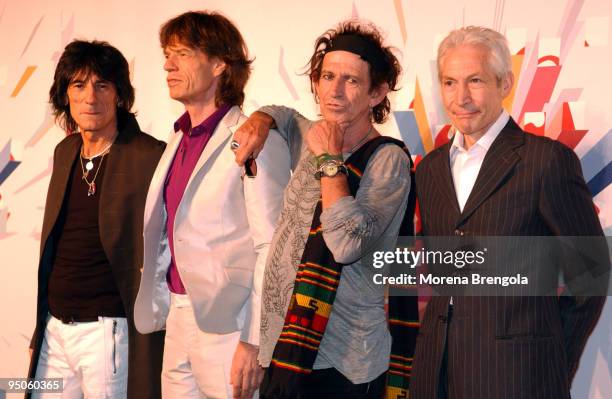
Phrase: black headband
pixel 368 51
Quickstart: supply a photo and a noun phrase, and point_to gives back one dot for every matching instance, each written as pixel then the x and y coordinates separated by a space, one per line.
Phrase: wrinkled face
pixel 471 93
pixel 192 75
pixel 93 103
pixel 343 89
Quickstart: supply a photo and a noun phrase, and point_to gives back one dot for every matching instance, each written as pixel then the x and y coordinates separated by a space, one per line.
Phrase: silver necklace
pixel 89 165
pixel 91 190
pixel 361 141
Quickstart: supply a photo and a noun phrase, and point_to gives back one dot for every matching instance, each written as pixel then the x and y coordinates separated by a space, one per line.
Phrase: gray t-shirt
pixel 356 341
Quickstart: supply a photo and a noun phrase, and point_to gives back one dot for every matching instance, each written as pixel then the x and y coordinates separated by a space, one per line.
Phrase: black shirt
pixel 81 285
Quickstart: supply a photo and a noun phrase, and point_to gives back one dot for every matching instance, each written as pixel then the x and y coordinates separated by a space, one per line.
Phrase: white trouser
pixel 90 357
pixel 196 364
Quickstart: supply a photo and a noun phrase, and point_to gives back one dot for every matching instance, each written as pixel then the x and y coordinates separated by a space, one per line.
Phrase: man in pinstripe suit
pixel 493 179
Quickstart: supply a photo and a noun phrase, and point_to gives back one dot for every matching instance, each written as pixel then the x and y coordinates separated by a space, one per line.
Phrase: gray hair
pixel 499 59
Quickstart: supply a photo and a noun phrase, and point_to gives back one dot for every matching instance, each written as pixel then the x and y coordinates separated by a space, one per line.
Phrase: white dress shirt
pixel 465 164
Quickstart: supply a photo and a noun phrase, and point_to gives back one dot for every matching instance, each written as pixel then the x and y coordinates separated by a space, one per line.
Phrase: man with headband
pixel 324 329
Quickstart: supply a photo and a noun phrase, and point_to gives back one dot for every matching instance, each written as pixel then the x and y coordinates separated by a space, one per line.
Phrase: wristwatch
pixel 331 168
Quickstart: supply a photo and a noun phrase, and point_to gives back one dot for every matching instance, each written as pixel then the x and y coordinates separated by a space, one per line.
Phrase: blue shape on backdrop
pixel 409 131
pixel 8 169
pixel 601 180
pixel 598 157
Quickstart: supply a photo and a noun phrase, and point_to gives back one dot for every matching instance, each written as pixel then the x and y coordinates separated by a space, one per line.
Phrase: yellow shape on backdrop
pixel 517 62
pixel 24 78
pixel 421 119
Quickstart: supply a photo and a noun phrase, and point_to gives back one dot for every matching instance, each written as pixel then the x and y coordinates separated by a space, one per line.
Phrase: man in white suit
pixel 207 227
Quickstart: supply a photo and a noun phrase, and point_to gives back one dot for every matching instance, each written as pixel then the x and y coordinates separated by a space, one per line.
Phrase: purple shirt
pixel 187 155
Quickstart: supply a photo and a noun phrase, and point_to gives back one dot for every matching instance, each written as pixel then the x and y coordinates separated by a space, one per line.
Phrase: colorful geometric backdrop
pixel 561 58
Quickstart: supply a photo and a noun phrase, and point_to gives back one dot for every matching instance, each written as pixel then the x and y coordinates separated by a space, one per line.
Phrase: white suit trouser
pixel 90 357
pixel 196 364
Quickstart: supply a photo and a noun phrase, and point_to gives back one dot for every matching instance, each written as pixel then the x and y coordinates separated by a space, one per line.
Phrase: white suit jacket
pixel 222 232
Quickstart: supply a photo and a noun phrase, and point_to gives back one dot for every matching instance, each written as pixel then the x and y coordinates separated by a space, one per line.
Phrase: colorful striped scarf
pixel 314 291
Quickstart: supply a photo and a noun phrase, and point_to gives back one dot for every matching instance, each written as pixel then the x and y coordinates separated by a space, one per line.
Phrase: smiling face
pixel 344 91
pixel 192 75
pixel 93 103
pixel 471 93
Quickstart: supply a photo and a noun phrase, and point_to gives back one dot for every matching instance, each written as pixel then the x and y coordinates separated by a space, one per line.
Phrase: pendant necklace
pixel 89 165
pixel 91 190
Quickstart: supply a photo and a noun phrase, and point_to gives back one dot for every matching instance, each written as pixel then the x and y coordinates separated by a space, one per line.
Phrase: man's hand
pixel 246 373
pixel 325 137
pixel 252 135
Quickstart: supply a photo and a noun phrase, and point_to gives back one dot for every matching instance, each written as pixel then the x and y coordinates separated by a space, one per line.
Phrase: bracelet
pixel 326 157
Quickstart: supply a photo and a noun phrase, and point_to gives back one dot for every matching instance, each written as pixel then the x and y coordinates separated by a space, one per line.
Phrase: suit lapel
pixel 154 196
pixel 62 168
pixel 222 133
pixel 498 162
pixel 445 177
pixel 114 168
pixel 220 137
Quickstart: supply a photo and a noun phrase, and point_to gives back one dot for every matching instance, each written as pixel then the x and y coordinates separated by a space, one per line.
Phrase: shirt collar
pixel 487 139
pixel 208 125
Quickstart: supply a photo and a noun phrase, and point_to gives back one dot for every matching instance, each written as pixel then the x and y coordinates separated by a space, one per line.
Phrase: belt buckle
pixel 68 320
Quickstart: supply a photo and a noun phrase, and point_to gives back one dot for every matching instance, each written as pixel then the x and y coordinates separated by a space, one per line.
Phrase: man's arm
pixel 263 200
pixel 567 207
pixel 252 135
pixel 353 225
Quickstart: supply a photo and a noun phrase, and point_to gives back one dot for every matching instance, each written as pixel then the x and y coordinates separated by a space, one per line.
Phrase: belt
pixel 76 319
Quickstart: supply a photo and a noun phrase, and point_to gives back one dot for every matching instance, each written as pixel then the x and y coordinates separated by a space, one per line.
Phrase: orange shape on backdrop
pixel 24 78
pixel 555 125
pixel 517 63
pixel 421 119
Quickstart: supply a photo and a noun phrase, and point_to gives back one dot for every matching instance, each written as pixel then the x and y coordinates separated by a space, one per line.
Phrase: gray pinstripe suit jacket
pixel 506 347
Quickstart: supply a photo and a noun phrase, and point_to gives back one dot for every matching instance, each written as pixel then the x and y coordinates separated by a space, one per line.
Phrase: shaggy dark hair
pixel 82 57
pixel 388 74
pixel 217 37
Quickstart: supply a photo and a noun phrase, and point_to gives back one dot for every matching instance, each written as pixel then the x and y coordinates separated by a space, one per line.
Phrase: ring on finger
pixel 234 145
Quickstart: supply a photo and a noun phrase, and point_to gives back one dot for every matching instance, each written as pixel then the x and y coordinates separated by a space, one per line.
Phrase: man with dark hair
pixel 207 226
pixel 324 328
pixel 91 241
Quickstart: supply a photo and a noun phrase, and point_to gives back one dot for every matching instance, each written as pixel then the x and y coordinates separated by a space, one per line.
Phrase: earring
pixel 119 103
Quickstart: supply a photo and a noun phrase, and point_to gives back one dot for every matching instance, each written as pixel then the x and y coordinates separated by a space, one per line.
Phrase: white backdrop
pixel 280 35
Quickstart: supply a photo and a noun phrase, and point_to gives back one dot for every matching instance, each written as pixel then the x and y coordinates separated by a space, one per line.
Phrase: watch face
pixel 330 169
